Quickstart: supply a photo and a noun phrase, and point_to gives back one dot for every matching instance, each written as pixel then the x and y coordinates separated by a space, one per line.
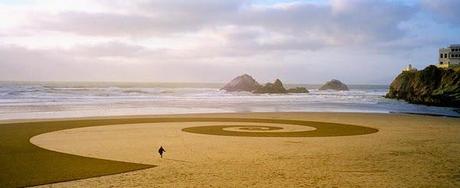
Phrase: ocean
pixel 29 100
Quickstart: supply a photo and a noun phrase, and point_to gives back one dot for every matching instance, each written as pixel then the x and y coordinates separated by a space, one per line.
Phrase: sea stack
pixel 249 84
pixel 298 90
pixel 242 83
pixel 334 85
pixel 430 86
pixel 275 87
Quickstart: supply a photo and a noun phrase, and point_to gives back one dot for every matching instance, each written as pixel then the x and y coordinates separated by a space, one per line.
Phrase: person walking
pixel 161 151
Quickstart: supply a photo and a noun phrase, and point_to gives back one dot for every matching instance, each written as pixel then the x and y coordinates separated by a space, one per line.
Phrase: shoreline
pixel 2 121
pixel 426 114
pixel 67 100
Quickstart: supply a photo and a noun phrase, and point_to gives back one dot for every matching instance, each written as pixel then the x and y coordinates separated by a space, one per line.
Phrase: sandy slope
pixel 408 150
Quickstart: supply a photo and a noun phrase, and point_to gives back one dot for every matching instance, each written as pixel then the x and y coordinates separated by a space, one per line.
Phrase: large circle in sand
pixel 317 129
pixel 184 139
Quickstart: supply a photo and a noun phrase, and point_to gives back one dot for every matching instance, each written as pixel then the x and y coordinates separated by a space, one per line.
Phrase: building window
pixel 440 55
pixel 440 62
pixel 445 55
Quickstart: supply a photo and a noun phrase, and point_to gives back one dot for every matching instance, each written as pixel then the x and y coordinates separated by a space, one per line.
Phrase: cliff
pixel 431 86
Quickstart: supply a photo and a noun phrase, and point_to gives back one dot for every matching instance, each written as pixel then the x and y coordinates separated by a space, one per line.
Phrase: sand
pixel 407 151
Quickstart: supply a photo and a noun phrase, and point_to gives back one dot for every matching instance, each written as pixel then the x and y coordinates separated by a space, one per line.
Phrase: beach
pixel 406 151
pixel 279 93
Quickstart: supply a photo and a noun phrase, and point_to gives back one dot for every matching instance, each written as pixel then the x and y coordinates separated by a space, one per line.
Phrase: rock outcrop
pixel 334 85
pixel 431 86
pixel 247 83
pixel 275 87
pixel 242 83
pixel 297 90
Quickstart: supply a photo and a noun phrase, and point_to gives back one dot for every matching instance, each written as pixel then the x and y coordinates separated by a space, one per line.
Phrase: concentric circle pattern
pixel 259 128
pixel 249 128
pixel 276 128
pixel 46 164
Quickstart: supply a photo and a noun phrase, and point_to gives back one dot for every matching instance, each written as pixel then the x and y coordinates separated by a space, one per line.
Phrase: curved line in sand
pixel 104 141
pixel 317 129
pixel 322 129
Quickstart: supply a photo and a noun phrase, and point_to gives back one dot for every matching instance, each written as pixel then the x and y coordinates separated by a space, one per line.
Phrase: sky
pixel 310 41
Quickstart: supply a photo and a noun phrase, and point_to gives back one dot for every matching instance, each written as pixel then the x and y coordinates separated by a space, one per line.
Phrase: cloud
pixel 143 19
pixel 446 10
pixel 104 24
pixel 359 22
pixel 209 40
pixel 334 24
pixel 19 63
pixel 109 49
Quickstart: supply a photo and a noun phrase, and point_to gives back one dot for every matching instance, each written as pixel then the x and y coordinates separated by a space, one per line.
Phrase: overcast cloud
pixel 311 41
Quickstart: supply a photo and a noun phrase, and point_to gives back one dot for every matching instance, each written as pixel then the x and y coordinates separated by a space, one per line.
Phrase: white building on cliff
pixel 409 68
pixel 450 56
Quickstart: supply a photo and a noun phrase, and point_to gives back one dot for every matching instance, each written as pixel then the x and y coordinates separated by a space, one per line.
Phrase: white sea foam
pixel 49 100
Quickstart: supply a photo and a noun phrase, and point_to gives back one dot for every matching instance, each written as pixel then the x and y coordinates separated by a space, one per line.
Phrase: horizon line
pixel 166 82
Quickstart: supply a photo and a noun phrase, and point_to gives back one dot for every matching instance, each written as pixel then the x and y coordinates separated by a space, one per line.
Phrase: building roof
pixel 454 46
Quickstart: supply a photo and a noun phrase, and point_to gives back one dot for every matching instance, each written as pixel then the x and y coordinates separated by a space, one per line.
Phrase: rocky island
pixel 275 87
pixel 431 86
pixel 242 83
pixel 334 85
pixel 247 83
pixel 297 90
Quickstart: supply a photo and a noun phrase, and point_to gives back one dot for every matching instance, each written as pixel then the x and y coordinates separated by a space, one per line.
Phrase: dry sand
pixel 408 151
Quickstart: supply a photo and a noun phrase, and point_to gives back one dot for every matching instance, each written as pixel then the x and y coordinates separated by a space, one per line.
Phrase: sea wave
pixel 51 99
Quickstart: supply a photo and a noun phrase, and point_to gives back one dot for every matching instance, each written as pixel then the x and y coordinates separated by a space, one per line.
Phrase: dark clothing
pixel 161 151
